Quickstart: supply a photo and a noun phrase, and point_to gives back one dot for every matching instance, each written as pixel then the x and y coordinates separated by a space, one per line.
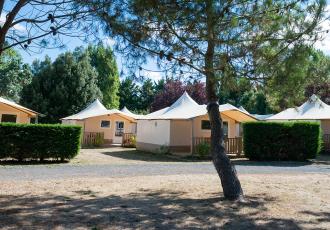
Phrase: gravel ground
pixel 122 162
pixel 289 201
pixel 125 189
pixel 45 172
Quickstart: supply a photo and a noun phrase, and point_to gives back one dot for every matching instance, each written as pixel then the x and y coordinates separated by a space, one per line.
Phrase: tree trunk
pixel 231 185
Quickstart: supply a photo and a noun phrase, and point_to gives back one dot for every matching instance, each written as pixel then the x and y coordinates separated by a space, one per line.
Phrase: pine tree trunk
pixel 231 185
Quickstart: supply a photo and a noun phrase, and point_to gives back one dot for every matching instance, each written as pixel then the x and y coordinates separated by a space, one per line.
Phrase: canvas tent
pixel 96 119
pixel 312 110
pixel 178 126
pixel 13 112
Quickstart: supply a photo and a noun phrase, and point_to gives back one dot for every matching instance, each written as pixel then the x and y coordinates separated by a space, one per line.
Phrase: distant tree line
pixel 74 79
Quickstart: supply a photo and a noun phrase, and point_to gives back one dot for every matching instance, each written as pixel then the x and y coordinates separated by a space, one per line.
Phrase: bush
pixel 36 141
pixel 282 140
pixel 203 149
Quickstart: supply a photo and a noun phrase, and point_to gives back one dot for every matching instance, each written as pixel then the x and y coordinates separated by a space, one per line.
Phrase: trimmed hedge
pixel 282 140
pixel 39 141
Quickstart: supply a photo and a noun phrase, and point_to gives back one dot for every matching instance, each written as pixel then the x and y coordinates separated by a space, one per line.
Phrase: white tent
pixel 96 109
pixel 129 113
pixel 312 109
pixel 186 108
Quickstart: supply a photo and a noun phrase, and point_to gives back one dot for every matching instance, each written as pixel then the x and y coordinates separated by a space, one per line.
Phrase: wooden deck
pixel 232 145
pixel 92 139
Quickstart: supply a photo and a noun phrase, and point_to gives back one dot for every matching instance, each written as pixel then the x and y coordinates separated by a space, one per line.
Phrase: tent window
pixel 105 124
pixel 8 118
pixel 225 128
pixel 206 125
pixel 119 128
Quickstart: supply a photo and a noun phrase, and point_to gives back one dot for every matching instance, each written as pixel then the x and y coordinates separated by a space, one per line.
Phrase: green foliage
pixel 103 60
pixel 36 141
pixel 147 94
pixel 292 72
pixel 203 149
pixel 62 87
pixel 255 102
pixel 138 96
pixel 14 75
pixel 282 140
pixel 129 94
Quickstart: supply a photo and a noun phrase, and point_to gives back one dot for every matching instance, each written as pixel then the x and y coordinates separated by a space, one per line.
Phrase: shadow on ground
pixel 146 209
pixel 31 162
pixel 145 156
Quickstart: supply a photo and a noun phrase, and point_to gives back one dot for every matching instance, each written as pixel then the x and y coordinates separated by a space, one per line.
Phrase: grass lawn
pixel 166 202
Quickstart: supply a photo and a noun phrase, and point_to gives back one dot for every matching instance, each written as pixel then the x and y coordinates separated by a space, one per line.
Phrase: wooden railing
pixel 129 140
pixel 326 142
pixel 232 145
pixel 93 139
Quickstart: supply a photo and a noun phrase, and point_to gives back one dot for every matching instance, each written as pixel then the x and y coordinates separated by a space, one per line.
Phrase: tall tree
pixel 300 67
pixel 62 87
pixel 14 75
pixel 129 94
pixel 208 38
pixel 103 59
pixel 147 94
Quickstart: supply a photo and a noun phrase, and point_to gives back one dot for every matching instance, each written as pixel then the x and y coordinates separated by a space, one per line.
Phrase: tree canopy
pixel 103 60
pixel 14 75
pixel 61 88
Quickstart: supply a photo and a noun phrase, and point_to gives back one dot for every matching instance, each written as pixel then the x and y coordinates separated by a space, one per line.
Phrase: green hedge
pixel 282 140
pixel 36 141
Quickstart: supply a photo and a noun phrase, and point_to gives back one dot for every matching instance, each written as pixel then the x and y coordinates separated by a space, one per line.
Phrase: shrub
pixel 36 141
pixel 203 149
pixel 282 140
pixel 132 141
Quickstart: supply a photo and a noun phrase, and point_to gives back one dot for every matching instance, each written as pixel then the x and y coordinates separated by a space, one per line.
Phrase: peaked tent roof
pixel 243 109
pixel 312 109
pixel 17 106
pixel 262 117
pixel 185 108
pixel 129 113
pixel 95 109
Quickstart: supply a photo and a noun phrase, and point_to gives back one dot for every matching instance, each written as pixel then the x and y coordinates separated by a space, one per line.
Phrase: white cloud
pixel 17 27
pixel 109 41
pixel 153 75
pixel 324 43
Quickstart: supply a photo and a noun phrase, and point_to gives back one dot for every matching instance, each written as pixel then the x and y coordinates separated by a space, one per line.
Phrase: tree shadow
pixel 322 159
pixel 145 156
pixel 32 162
pixel 272 163
pixel 147 209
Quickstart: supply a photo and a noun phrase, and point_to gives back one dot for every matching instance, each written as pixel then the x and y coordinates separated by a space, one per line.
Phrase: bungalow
pixel 184 124
pixel 12 112
pixel 96 119
pixel 312 110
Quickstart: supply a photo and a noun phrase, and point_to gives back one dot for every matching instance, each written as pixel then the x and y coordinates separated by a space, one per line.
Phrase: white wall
pixel 155 132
